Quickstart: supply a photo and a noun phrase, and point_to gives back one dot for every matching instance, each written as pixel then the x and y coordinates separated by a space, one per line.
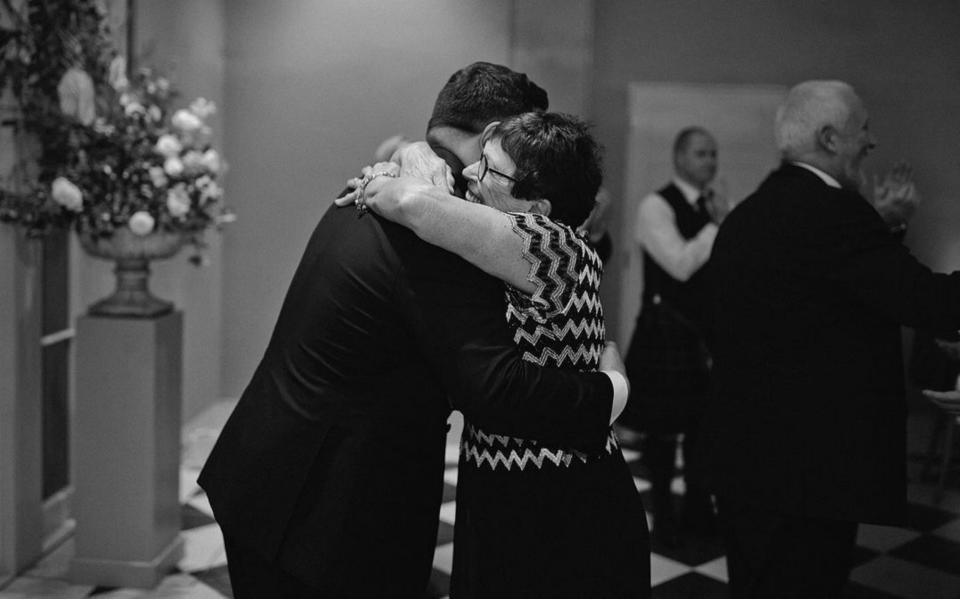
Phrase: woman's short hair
pixel 557 159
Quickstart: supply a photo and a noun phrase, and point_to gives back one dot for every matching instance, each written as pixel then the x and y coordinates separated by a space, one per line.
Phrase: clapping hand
pixel 895 196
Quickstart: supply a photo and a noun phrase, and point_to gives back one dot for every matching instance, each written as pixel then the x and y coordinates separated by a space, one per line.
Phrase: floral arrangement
pixel 113 149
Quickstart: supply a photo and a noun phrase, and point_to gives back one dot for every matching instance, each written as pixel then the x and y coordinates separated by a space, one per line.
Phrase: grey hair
pixel 808 107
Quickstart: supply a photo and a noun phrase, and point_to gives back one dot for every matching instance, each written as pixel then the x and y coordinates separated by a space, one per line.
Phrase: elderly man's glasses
pixel 485 168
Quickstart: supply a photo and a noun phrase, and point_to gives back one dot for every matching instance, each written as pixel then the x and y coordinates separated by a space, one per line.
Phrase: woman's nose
pixel 470 171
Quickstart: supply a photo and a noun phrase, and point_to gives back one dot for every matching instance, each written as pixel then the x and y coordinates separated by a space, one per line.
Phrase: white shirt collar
pixel 823 176
pixel 690 193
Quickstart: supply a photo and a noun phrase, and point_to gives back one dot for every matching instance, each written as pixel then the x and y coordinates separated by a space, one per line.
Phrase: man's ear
pixel 827 138
pixel 541 206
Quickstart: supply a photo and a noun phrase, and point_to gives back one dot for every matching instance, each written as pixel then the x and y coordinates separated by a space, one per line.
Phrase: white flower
pixel 203 107
pixel 186 120
pixel 211 191
pixel 211 160
pixel 193 160
pixel 173 166
pixel 67 194
pixel 154 113
pixel 163 84
pixel 226 217
pixel 133 108
pixel 168 145
pixel 76 95
pixel 157 176
pixel 141 223
pixel 125 99
pixel 102 127
pixel 178 201
pixel 118 74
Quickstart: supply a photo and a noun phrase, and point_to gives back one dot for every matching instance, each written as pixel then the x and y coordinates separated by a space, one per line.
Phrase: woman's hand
pixel 399 200
pixel 358 185
pixel 418 160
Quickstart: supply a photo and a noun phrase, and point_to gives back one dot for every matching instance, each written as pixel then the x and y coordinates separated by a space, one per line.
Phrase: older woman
pixel 533 520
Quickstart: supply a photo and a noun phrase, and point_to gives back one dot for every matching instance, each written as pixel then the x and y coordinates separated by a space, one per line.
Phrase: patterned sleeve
pixel 562 266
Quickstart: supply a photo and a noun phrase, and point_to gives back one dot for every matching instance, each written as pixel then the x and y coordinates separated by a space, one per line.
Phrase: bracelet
pixel 361 201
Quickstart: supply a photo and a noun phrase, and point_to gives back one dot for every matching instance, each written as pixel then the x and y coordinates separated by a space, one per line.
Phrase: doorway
pixel 741 119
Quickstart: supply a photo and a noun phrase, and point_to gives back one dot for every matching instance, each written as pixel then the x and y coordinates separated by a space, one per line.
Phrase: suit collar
pixel 819 173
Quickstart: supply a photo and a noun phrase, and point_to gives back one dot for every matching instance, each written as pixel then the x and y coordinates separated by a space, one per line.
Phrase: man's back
pixel 343 403
pixel 811 290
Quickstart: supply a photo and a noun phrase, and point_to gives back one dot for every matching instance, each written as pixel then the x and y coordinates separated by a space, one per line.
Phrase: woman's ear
pixel 541 206
pixel 487 131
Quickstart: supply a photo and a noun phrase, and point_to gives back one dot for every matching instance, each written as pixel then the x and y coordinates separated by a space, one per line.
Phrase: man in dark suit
pixel 327 478
pixel 806 434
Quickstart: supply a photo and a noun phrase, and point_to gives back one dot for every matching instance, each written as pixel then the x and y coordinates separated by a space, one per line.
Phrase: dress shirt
pixel 656 232
pixel 621 391
pixel 823 176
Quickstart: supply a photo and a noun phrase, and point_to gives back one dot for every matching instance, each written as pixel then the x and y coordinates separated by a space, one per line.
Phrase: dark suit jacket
pixel 332 460
pixel 811 290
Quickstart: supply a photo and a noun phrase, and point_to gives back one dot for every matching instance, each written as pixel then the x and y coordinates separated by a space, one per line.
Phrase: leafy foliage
pixel 99 148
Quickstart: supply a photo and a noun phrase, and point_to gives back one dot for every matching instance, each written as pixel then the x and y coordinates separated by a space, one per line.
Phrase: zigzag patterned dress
pixel 541 521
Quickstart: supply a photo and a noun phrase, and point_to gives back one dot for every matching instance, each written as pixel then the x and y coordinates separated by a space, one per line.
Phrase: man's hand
pixel 612 364
pixel 718 206
pixel 418 160
pixel 950 348
pixel 595 225
pixel 610 359
pixel 895 197
pixel 948 401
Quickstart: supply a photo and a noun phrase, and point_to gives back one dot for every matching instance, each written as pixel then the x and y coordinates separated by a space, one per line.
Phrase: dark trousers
pixel 253 577
pixel 789 557
pixel 659 455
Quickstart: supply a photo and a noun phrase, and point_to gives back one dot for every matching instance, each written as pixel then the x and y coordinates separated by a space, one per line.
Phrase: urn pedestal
pixel 132 254
pixel 126 449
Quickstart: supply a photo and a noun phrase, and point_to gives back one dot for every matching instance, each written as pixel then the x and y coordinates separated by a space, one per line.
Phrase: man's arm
pixel 870 263
pixel 656 232
pixel 457 316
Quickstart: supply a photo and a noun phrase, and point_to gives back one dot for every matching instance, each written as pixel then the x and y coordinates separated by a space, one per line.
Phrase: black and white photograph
pixel 449 299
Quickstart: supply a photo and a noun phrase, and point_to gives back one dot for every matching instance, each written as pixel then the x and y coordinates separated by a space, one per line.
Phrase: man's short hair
pixel 483 92
pixel 557 159
pixel 682 140
pixel 807 108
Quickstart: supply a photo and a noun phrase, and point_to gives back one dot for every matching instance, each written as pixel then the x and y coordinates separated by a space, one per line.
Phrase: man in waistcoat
pixel 668 360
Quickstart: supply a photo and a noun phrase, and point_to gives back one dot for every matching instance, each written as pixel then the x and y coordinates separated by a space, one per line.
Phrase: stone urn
pixel 132 254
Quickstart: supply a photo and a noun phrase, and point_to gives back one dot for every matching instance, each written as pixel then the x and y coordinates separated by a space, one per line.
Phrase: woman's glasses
pixel 485 168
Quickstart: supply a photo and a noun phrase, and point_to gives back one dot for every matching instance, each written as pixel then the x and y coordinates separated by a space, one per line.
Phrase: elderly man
pixel 806 435
pixel 327 478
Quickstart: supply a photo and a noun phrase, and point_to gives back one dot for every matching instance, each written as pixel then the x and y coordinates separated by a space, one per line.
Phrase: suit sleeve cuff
pixel 621 390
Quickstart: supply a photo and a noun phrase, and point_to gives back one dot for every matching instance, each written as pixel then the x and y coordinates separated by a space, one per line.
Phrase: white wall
pixel 312 87
pixel 900 56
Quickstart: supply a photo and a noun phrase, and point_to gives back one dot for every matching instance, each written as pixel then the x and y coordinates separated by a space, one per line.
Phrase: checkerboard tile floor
pixel 921 561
